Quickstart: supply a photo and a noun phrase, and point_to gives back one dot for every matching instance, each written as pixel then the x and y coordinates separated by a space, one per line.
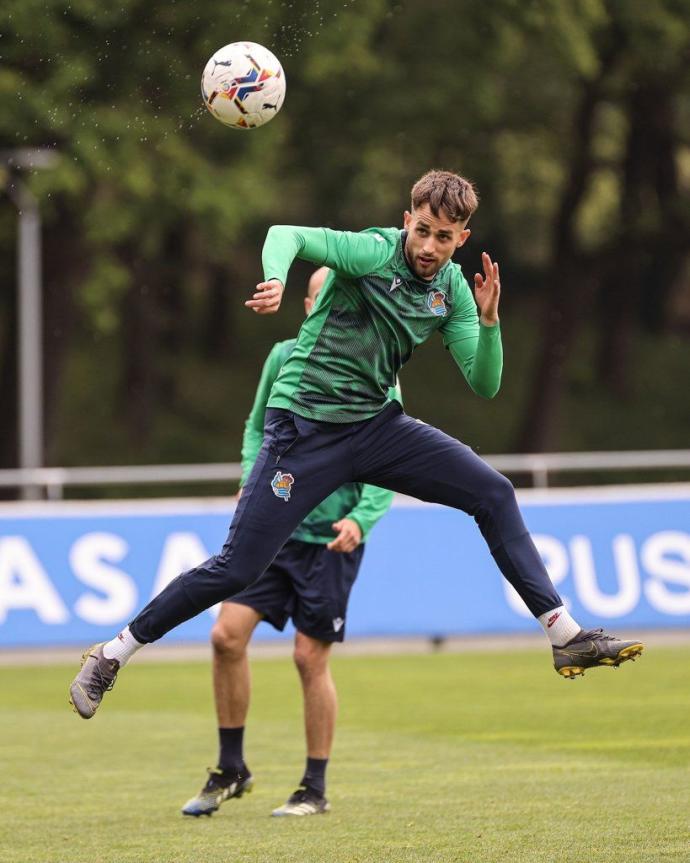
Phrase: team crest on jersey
pixel 436 303
pixel 282 485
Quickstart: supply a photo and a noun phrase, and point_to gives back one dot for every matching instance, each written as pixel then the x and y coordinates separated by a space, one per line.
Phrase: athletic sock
pixel 315 775
pixel 231 755
pixel 122 647
pixel 559 626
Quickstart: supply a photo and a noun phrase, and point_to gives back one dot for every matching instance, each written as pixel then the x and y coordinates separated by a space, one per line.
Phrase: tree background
pixel 572 118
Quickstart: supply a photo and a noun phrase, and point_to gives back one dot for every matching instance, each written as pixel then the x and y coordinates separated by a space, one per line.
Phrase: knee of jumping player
pixel 498 493
pixel 310 656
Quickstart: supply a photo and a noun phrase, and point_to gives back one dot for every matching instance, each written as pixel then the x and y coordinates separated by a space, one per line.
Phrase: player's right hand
pixel 267 298
pixel 349 535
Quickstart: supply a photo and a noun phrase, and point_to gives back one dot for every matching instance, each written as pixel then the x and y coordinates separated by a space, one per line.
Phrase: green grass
pixel 475 757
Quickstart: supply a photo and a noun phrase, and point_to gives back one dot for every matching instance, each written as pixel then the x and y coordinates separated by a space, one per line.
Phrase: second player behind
pixel 310 582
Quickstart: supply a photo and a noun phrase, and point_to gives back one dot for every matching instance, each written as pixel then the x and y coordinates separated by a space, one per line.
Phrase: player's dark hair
pixel 445 190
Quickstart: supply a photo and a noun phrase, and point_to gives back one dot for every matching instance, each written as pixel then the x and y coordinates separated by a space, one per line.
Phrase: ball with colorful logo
pixel 243 85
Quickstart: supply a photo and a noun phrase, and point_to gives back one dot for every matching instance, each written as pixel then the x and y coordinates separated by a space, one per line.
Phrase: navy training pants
pixel 301 462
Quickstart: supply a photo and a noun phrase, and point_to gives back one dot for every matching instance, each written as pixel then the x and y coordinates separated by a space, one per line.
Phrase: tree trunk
pixel 139 396
pixel 217 336
pixel 653 242
pixel 565 278
pixel 63 270
pixel 621 287
pixel 9 444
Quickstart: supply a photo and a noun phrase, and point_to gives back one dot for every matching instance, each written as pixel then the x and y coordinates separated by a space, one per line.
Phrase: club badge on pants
pixel 282 485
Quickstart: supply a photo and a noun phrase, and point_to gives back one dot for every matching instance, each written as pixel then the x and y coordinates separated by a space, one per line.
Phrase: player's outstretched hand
pixel 349 535
pixel 487 290
pixel 267 298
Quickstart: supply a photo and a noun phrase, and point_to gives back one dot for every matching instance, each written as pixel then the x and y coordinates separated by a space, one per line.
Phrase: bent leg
pixel 295 470
pixel 411 457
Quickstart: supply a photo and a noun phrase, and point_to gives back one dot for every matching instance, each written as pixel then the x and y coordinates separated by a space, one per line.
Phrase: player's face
pixel 431 240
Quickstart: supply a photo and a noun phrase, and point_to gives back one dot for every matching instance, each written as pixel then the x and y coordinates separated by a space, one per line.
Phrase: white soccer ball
pixel 243 85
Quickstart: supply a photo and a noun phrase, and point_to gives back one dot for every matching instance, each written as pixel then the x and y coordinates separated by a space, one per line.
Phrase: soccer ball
pixel 243 85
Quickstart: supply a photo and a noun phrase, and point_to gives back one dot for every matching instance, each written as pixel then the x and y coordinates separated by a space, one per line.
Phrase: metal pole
pixel 30 305
pixel 30 335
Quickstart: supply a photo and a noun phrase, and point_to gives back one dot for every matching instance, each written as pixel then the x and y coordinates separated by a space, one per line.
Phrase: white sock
pixel 559 626
pixel 122 647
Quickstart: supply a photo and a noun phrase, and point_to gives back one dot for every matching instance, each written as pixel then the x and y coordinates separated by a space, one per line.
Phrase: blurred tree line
pixel 572 118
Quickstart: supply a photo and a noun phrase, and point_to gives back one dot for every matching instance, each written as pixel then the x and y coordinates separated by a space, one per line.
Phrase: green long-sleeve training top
pixel 364 504
pixel 370 315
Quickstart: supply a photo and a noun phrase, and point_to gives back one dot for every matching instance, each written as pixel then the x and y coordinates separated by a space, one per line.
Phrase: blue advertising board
pixel 73 573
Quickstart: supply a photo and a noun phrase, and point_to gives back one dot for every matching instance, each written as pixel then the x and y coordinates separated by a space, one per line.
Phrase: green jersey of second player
pixel 362 503
pixel 371 314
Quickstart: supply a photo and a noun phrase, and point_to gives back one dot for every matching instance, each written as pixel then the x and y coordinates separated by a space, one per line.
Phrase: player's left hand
pixel 487 290
pixel 267 298
pixel 349 535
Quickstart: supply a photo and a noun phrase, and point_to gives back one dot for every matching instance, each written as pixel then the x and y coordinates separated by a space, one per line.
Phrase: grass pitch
pixel 471 757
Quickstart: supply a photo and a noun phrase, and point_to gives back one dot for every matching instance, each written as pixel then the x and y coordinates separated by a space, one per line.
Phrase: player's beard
pixel 423 268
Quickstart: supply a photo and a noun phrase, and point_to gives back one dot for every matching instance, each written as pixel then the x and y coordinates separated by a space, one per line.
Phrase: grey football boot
pixel 221 785
pixel 97 676
pixel 305 801
pixel 592 648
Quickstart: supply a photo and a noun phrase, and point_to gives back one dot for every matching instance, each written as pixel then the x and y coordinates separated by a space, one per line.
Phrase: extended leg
pixel 407 456
pixel 292 474
pixel 298 466
pixel 417 459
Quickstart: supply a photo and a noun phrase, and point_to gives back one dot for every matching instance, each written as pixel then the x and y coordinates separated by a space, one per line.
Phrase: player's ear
pixel 464 236
pixel 407 218
pixel 308 305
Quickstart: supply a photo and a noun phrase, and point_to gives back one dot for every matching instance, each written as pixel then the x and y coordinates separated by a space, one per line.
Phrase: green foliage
pixel 153 202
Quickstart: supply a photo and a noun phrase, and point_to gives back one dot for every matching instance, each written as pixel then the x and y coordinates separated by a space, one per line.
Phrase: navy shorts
pixel 308 583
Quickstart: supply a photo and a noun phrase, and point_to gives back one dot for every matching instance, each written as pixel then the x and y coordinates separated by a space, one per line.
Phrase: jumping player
pixel 309 581
pixel 330 420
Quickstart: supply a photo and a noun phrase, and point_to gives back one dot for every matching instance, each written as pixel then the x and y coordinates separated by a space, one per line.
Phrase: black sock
pixel 231 756
pixel 315 775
